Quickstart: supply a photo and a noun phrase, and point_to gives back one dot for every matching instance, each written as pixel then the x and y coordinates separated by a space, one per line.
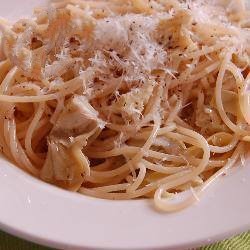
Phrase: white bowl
pixel 50 216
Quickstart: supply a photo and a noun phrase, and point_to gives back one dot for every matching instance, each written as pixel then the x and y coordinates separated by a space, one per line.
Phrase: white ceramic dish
pixel 47 215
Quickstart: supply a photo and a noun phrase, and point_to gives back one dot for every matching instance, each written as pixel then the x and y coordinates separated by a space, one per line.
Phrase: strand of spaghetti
pixel 163 169
pixel 109 144
pixel 137 193
pixel 152 101
pixel 224 149
pixel 202 64
pixel 138 181
pixel 134 160
pixel 8 80
pixel 3 146
pixel 243 92
pixel 66 90
pixel 152 136
pixel 153 109
pixel 181 123
pixel 124 168
pixel 130 151
pixel 211 164
pixel 105 92
pixel 164 204
pixel 196 77
pixel 106 181
pixel 144 134
pixel 58 110
pixel 21 126
pixel 17 151
pixel 129 179
pixel 180 137
pixel 103 145
pixel 43 122
pixel 25 99
pixel 131 167
pixel 203 144
pixel 230 163
pixel 151 153
pixel 6 130
pixel 190 69
pixel 204 51
pixel 94 137
pixel 112 188
pixel 26 86
pixel 222 171
pixel 103 166
pixel 5 67
pixel 219 104
pixel 175 111
pixel 29 134
pixel 123 128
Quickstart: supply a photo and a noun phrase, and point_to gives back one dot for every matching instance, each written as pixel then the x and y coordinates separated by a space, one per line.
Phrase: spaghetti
pixel 126 99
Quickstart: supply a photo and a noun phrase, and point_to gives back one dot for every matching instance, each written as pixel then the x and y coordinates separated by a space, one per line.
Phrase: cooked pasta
pixel 127 99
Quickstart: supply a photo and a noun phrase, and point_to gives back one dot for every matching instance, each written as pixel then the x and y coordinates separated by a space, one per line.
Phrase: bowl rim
pixel 222 212
pixel 10 173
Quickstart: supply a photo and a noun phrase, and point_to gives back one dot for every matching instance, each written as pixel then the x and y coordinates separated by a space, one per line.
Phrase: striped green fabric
pixel 8 242
pixel 241 242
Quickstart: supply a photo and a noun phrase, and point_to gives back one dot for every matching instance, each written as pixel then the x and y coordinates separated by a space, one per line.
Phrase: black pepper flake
pixel 119 55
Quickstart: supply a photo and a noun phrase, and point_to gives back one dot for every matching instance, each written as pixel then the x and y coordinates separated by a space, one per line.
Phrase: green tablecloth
pixel 241 242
